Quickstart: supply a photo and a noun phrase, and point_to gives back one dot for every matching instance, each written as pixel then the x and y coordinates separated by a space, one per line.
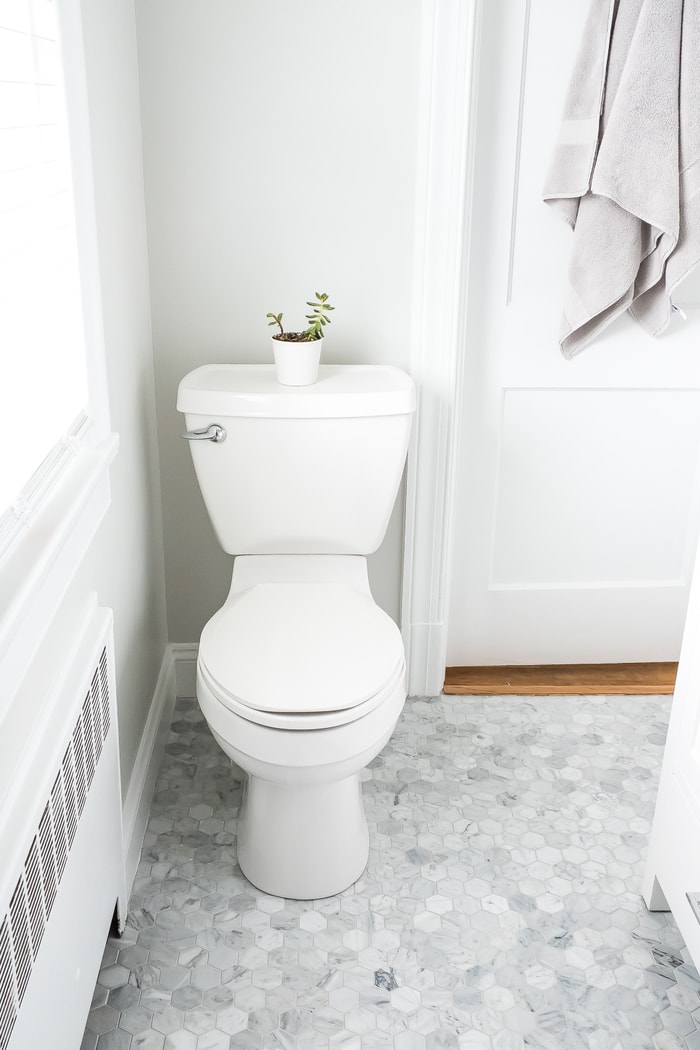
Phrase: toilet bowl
pixel 301 683
pixel 300 675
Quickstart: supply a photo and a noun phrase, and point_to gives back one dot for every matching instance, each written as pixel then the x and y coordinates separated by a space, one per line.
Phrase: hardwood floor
pixel 562 680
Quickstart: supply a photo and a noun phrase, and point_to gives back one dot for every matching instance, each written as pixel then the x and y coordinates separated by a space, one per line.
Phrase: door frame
pixel 450 36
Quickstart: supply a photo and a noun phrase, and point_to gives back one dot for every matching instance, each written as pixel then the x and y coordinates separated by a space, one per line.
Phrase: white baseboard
pixel 185 657
pixel 176 679
pixel 139 796
pixel 426 643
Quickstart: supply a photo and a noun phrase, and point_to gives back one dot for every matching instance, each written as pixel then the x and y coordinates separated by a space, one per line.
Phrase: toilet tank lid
pixel 341 391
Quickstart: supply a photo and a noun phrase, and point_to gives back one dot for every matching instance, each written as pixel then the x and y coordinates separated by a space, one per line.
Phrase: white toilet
pixel 300 674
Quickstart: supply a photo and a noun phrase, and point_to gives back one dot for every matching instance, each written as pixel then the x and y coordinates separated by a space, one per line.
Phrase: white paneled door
pixel 577 481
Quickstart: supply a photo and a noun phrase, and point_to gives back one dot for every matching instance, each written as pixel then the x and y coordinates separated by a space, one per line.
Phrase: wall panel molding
pixel 518 150
pixel 581 527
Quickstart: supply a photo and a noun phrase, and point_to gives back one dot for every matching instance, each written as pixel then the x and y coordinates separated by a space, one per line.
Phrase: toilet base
pixel 299 842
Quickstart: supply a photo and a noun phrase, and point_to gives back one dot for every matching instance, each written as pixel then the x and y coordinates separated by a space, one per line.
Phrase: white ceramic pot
pixel 296 363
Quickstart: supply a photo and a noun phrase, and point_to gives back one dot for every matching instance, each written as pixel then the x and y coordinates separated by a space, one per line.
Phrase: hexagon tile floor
pixel 500 909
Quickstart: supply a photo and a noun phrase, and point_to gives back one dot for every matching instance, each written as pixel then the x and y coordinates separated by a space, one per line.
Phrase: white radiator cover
pixel 62 866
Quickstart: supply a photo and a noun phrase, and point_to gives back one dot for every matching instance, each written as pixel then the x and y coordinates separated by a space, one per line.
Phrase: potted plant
pixel 297 354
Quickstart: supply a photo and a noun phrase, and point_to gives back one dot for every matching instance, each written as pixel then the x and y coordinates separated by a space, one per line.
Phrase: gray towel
pixel 625 173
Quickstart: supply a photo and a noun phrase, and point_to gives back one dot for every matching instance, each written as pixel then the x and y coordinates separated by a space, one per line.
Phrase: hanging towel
pixel 625 173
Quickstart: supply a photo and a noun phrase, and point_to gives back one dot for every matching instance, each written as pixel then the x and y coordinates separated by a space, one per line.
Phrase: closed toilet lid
pixel 301 647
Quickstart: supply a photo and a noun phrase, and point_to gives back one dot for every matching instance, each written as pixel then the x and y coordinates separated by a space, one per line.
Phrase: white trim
pixel 44 560
pixel 447 146
pixel 175 679
pixel 137 804
pixel 13 521
pixel 76 91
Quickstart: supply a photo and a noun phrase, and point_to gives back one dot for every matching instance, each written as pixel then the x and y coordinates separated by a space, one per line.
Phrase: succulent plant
pixel 317 318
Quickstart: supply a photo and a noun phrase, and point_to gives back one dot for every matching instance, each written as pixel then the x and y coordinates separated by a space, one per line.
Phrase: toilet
pixel 300 675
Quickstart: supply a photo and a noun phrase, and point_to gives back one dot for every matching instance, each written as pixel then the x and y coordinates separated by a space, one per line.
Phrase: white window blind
pixel 43 376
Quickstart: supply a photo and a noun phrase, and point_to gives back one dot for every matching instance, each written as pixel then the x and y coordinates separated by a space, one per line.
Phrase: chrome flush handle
pixel 214 432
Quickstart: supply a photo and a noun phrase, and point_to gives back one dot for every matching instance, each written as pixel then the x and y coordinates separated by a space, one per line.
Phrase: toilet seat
pixel 301 655
pixel 299 720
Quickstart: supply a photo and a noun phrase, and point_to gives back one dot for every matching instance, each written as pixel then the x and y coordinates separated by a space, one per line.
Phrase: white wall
pixel 125 563
pixel 279 154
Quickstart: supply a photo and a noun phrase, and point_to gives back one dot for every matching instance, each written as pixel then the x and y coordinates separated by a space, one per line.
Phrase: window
pixel 43 383
pixel 55 443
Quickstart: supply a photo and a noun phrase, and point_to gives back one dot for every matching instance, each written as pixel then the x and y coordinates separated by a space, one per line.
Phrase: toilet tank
pixel 302 470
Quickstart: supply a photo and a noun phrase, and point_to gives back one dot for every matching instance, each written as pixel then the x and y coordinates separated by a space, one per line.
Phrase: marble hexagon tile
pixel 500 909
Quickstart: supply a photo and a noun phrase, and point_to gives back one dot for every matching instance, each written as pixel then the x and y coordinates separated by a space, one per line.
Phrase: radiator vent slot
pixel 57 818
pixel 68 798
pixel 8 1010
pixel 34 896
pixel 22 928
pixel 19 934
pixel 47 850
